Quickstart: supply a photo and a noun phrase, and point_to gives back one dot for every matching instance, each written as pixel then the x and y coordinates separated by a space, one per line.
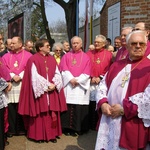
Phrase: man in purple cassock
pixel 124 101
pixel 75 68
pixel 143 26
pixel 15 61
pixel 101 59
pixel 123 52
pixel 42 98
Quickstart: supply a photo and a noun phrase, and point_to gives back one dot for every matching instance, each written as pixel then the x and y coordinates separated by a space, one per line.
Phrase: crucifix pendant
pixel 74 61
pixel 98 61
pixel 124 80
pixel 16 64
pixel 46 69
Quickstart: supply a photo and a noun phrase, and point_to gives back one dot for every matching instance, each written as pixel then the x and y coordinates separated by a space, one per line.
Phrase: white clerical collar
pixel 64 51
pixel 130 59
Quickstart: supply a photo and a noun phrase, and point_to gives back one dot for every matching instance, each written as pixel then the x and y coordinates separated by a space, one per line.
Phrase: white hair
pixel 101 36
pixel 57 44
pixel 135 32
pixel 76 37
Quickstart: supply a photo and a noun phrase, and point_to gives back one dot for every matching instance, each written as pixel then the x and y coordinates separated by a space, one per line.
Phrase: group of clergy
pixel 81 91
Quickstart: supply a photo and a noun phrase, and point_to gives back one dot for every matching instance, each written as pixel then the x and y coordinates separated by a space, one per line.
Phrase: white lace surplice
pixel 40 84
pixel 109 129
pixel 57 79
pixel 142 100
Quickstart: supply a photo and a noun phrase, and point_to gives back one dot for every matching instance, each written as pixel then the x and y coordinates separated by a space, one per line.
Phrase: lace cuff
pixel 101 91
pixel 39 83
pixel 57 79
pixel 142 100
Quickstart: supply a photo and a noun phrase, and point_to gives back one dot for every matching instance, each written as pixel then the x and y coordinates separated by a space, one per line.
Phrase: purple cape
pixel 28 105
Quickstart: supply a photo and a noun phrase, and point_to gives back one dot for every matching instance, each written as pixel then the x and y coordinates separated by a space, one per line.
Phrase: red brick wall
pixel 132 11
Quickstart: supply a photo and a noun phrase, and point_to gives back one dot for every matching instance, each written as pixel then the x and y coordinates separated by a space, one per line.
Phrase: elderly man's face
pixel 136 46
pixel 124 33
pixel 15 44
pixel 99 43
pixel 66 46
pixel 76 44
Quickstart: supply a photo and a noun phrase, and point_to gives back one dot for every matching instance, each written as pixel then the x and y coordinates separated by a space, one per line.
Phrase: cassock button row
pixel 48 120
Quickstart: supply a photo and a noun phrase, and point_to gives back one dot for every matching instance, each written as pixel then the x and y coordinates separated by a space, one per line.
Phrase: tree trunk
pixel 45 22
pixel 70 15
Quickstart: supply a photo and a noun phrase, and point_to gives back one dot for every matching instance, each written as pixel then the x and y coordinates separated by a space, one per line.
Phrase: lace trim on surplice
pixel 39 83
pixel 142 100
pixel 57 79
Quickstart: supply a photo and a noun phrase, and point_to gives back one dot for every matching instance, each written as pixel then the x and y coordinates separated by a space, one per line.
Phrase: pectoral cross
pixel 46 69
pixel 124 80
pixel 16 64
pixel 98 61
pixel 74 61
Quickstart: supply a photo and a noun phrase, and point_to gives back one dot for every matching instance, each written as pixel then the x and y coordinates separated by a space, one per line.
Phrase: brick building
pixel 128 13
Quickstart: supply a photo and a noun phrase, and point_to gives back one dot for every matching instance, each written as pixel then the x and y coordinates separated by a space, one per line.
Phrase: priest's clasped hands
pixel 51 87
pixel 114 111
pixel 95 80
pixel 74 82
